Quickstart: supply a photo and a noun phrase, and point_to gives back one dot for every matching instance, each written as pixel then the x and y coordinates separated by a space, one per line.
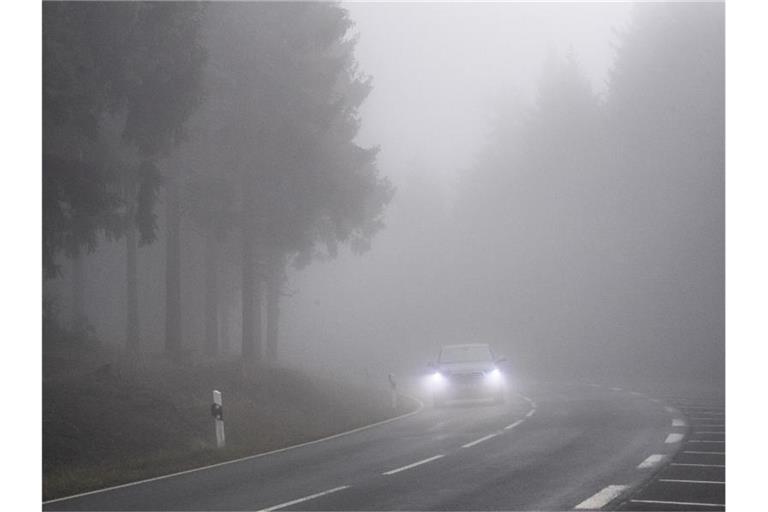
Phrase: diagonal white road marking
pixel 409 466
pixel 305 498
pixel 602 498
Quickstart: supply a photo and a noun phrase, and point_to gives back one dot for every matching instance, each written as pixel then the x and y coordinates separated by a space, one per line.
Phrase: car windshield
pixel 465 354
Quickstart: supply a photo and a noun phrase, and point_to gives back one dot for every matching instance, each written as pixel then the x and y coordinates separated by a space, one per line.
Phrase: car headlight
pixel 437 377
pixel 494 376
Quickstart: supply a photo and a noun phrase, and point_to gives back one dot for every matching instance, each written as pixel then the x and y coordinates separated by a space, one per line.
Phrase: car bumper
pixel 453 388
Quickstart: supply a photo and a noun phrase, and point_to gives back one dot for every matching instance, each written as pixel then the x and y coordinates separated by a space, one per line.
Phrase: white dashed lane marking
pixel 677 422
pixel 673 438
pixel 651 461
pixel 602 498
pixel 478 441
pixel 508 427
pixel 409 466
pixel 305 498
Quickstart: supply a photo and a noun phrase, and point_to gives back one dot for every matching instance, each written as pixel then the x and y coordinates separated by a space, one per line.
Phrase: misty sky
pixel 438 69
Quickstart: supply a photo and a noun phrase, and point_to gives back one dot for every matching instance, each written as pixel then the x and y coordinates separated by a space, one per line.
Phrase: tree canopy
pixel 135 65
pixel 280 120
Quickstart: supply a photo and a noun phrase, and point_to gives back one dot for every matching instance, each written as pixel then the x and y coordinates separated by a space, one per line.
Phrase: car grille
pixel 467 378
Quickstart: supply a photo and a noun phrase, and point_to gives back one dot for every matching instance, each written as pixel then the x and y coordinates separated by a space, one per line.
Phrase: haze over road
pixel 294 206
pixel 550 447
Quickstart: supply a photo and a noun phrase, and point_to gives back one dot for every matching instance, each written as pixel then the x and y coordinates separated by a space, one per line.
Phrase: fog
pixel 421 287
pixel 442 69
pixel 549 180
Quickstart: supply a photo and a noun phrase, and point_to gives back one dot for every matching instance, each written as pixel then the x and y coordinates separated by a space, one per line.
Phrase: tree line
pixel 238 118
pixel 596 220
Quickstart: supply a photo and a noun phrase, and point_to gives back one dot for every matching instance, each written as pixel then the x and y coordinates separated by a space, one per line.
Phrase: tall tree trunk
pixel 251 291
pixel 225 327
pixel 248 302
pixel 258 293
pixel 274 280
pixel 172 271
pixel 211 296
pixel 78 290
pixel 131 299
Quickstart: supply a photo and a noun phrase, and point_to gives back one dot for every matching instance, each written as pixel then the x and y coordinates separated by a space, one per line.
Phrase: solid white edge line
pixel 688 503
pixel 703 441
pixel 704 453
pixel 305 498
pixel 409 466
pixel 690 464
pixel 530 413
pixel 602 498
pixel 674 437
pixel 478 441
pixel 513 425
pixel 248 457
pixel 678 481
pixel 651 461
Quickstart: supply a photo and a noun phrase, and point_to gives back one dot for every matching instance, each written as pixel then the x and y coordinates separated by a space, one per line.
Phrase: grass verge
pixel 120 424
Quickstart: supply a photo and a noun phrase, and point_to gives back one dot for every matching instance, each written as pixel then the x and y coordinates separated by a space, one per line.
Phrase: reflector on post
pixel 217 411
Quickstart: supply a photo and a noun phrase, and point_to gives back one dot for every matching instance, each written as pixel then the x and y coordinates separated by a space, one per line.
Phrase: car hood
pixel 454 368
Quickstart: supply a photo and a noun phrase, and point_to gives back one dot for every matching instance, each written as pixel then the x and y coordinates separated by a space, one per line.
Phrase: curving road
pixel 551 447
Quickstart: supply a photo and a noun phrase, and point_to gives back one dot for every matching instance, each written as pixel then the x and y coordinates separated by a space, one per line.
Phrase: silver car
pixel 467 371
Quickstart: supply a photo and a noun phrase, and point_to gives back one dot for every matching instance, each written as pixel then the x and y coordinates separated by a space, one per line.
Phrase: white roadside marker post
pixel 393 388
pixel 217 411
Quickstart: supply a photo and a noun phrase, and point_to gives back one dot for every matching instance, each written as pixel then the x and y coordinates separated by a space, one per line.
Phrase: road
pixel 550 447
pixel 694 478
